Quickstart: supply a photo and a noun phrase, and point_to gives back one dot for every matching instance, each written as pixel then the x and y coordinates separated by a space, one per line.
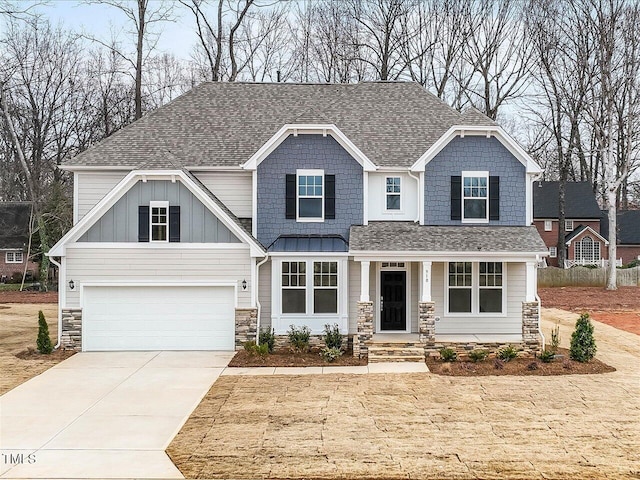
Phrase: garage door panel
pixel 158 318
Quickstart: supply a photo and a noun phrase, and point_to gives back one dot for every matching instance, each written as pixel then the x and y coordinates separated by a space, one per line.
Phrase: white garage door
pixel 158 318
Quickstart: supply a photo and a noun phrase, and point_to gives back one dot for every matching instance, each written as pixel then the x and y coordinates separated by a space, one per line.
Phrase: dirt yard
pixel 423 426
pixel 618 308
pixel 18 333
pixel 28 297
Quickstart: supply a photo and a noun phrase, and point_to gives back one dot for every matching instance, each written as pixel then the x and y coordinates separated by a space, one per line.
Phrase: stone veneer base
pixel 71 337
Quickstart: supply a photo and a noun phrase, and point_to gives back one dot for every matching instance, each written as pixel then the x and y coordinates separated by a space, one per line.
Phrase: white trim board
pixel 588 229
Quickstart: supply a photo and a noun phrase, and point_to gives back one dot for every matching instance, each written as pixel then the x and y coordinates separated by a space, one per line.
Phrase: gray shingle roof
pixel 473 116
pixel 628 223
pixel 14 224
pixel 223 124
pixel 309 243
pixel 580 201
pixel 411 237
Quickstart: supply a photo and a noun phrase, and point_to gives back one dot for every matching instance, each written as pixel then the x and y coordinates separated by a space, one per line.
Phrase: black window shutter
pixel 494 198
pixel 456 197
pixel 290 206
pixel 329 197
pixel 143 223
pixel 174 223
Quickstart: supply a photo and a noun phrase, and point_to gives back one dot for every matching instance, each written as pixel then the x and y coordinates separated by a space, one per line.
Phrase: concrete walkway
pixel 382 367
pixel 103 415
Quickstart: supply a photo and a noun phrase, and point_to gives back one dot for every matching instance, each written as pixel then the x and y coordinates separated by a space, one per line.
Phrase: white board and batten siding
pixel 91 187
pixel 234 189
pixel 449 324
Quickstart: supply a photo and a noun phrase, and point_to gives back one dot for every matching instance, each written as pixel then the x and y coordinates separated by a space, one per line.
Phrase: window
pixel 475 288
pixel 548 225
pixel 13 257
pixel 460 279
pixel 587 250
pixel 475 196
pixel 294 287
pixel 310 194
pixel 553 252
pixel 325 287
pixel 490 288
pixel 392 193
pixel 568 225
pixel 159 221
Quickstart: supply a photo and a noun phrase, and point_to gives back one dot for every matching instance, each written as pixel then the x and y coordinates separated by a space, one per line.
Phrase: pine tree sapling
pixel 44 342
pixel 583 344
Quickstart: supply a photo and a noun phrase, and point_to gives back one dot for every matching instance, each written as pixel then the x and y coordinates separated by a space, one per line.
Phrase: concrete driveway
pixel 103 415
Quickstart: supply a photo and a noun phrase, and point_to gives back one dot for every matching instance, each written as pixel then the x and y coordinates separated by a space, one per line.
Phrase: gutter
pixel 60 272
pixel 417 179
pixel 262 262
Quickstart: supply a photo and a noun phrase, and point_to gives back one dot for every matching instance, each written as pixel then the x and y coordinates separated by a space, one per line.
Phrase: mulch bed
pixel 287 358
pixel 28 297
pixel 33 354
pixel 518 366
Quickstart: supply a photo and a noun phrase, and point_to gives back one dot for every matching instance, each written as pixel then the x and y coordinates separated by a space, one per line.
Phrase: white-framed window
pixel 475 197
pixel 548 225
pixel 476 288
pixel 159 221
pixel 294 287
pixel 325 287
pixel 553 252
pixel 393 194
pixel 587 250
pixel 13 257
pixel 310 191
pixel 568 225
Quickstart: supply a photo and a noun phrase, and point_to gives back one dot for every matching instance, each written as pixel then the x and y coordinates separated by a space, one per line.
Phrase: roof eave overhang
pixel 79 229
pixel 531 166
pixel 380 255
pixel 95 168
pixel 308 129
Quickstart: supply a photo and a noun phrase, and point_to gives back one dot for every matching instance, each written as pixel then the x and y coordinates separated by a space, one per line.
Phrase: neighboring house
pixel 584 244
pixel 242 206
pixel 628 238
pixel 14 241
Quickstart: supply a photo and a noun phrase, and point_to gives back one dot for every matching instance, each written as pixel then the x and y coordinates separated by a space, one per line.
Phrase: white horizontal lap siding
pixel 409 203
pixel 481 324
pixel 149 266
pixel 92 187
pixel 264 295
pixel 354 295
pixel 234 189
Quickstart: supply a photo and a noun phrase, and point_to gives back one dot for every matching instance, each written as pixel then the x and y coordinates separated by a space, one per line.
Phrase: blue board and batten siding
pixel 197 223
pixel 474 153
pixel 308 152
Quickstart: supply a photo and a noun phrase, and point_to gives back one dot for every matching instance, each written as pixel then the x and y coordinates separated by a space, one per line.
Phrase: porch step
pixel 389 352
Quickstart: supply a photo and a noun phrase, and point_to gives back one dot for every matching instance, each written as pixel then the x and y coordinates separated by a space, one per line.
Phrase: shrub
pixel 532 366
pixel 299 338
pixel 498 364
pixel 583 344
pixel 268 338
pixel 332 336
pixel 448 354
pixel 330 353
pixel 478 355
pixel 507 353
pixel 253 349
pixel 44 341
pixel 547 356
pixel 555 338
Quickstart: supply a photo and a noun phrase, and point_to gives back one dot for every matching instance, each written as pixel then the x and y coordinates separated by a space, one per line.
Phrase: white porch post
pixel 364 281
pixel 531 281
pixel 425 295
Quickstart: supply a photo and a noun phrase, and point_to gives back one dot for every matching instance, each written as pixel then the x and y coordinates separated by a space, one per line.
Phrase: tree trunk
pixel 142 5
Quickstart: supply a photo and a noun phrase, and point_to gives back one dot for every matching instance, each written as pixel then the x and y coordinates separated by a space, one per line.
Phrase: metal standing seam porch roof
pixel 309 243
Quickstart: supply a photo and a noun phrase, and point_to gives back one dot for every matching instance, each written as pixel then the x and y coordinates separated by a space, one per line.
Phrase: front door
pixel 393 301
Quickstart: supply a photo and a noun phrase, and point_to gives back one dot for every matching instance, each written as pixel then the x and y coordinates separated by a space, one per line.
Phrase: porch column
pixel 531 281
pixel 364 281
pixel 425 295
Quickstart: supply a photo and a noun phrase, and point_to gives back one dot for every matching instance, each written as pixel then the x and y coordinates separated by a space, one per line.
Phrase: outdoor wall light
pixel 72 285
pixel 244 284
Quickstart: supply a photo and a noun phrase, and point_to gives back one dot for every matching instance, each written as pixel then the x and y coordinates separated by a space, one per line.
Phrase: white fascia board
pixel 226 168
pixel 92 168
pixel 606 242
pixel 475 130
pixel 373 256
pixel 308 129
pixel 309 254
pixel 58 250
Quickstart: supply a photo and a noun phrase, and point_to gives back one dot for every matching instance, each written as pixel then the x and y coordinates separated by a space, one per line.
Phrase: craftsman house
pixel 239 207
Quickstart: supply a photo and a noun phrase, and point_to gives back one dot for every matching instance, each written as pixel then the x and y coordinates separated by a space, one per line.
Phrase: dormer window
pixel 159 221
pixel 475 197
pixel 310 195
pixel 392 193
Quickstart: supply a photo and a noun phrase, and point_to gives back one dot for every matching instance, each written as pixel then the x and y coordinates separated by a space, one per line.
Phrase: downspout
pixel 59 306
pixel 417 179
pixel 262 262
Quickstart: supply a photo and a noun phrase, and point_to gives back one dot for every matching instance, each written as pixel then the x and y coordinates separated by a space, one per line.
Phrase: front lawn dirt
pixel 285 358
pixel 19 361
pixel 518 366
pixel 28 297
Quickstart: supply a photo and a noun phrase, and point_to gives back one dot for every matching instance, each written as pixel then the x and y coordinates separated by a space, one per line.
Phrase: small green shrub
pixel 555 338
pixel 448 354
pixel 44 341
pixel 299 338
pixel 330 354
pixel 547 356
pixel 583 344
pixel 268 338
pixel 253 349
pixel 478 355
pixel 507 353
pixel 332 336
